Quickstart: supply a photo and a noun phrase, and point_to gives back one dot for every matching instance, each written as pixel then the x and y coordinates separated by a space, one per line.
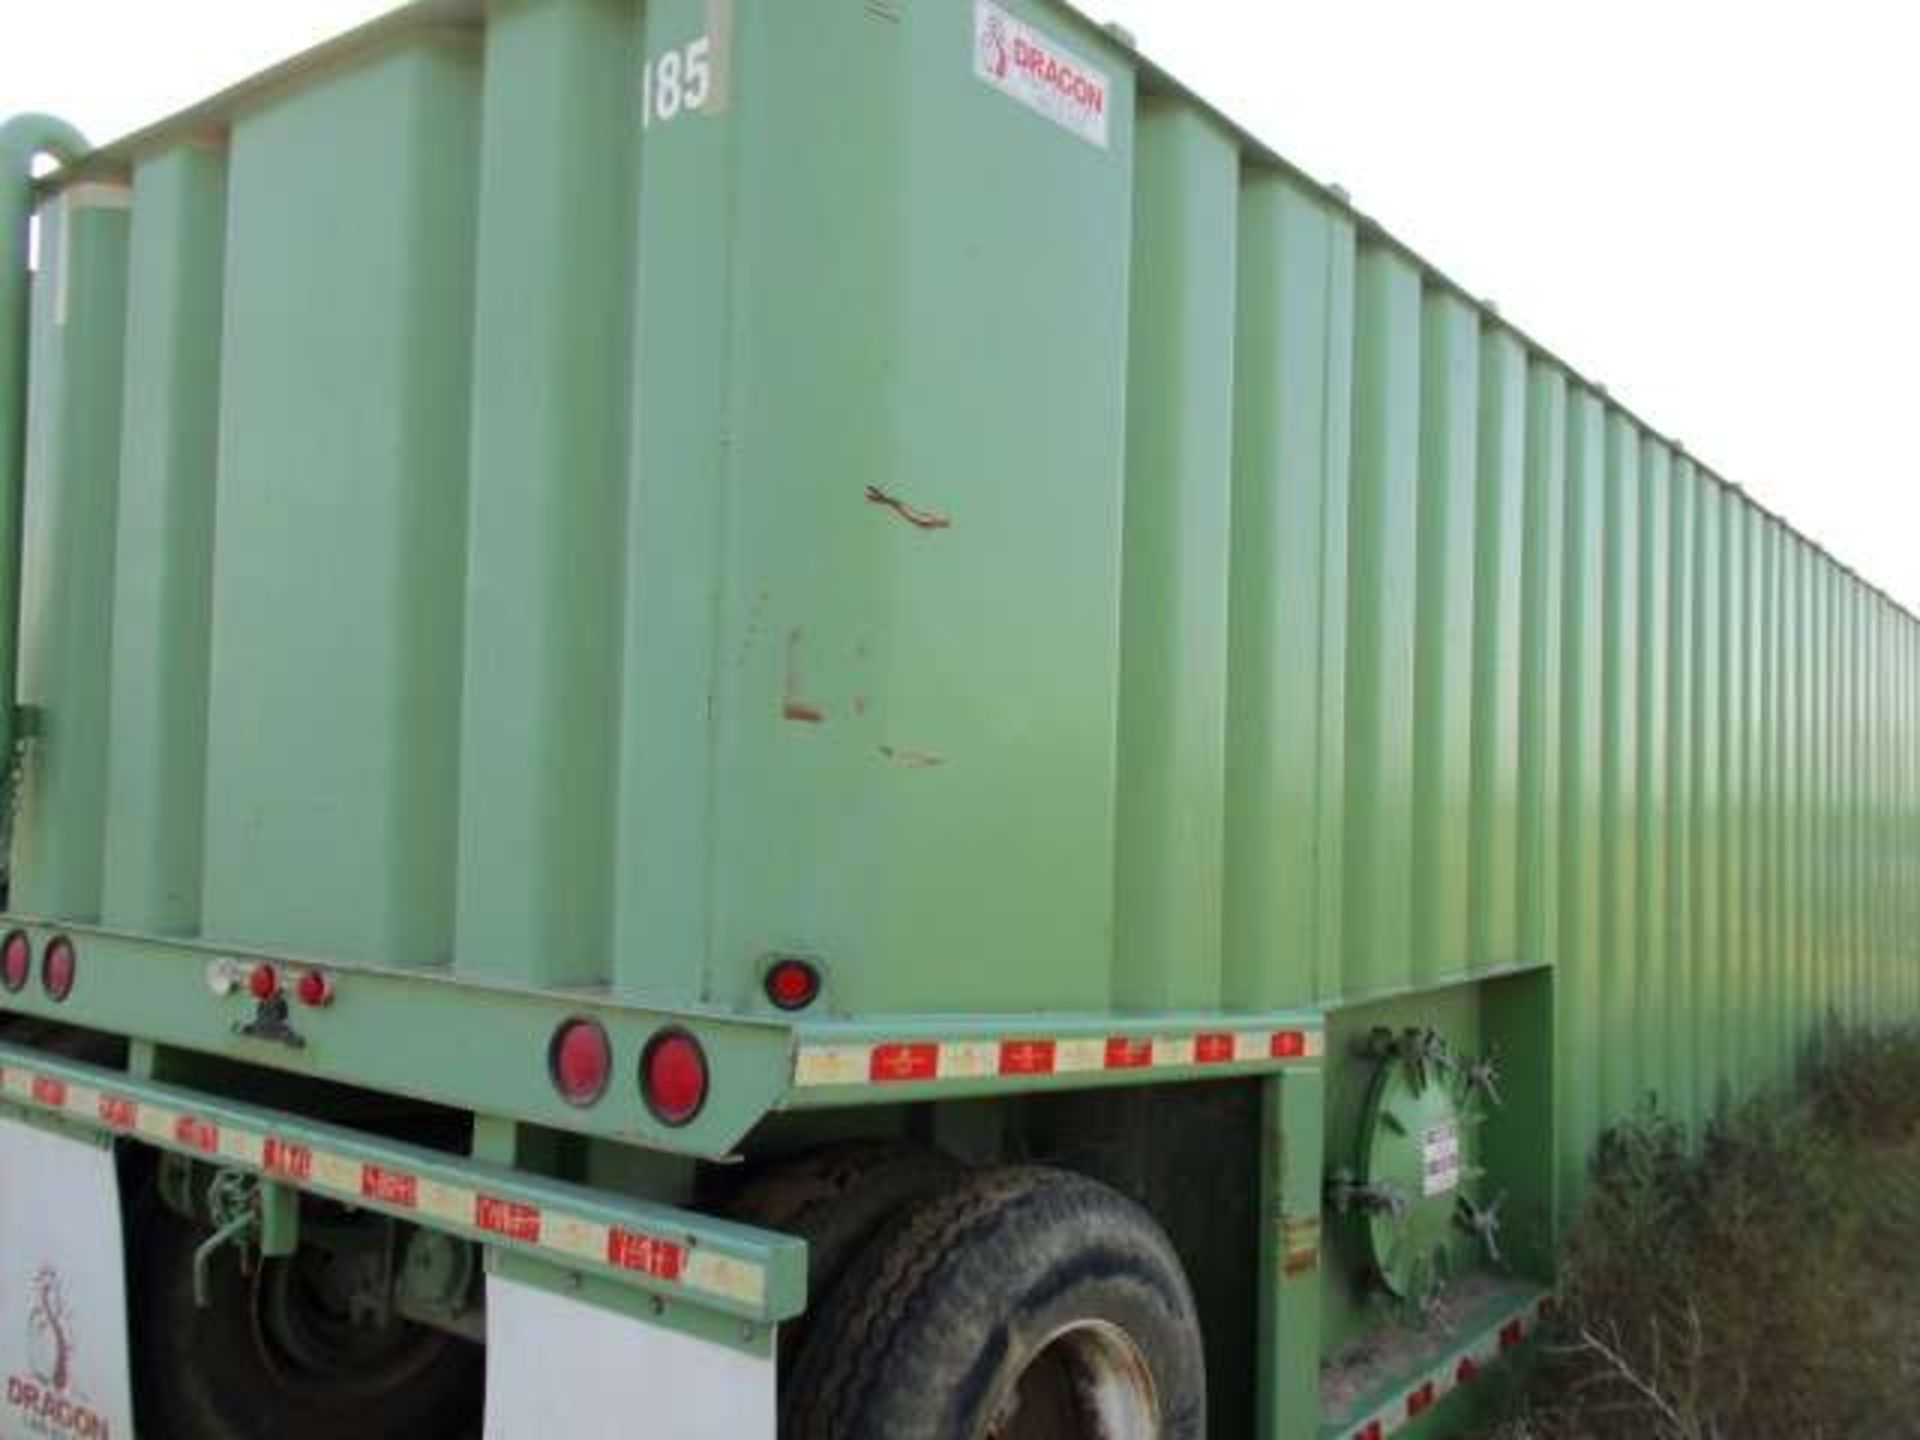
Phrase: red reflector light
pixel 792 984
pixel 314 987
pixel 16 961
pixel 262 982
pixel 1420 1401
pixel 673 1077
pixel 1468 1370
pixel 58 968
pixel 580 1060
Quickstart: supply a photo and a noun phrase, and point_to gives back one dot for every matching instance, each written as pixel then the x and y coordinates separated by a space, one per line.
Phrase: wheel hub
pixel 1088 1381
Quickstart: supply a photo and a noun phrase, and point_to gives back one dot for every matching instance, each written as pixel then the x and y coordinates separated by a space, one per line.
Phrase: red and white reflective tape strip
pixel 1462 1368
pixel 566 1238
pixel 1020 1057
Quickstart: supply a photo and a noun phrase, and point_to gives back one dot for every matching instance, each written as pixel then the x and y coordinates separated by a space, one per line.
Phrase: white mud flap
pixel 563 1367
pixel 63 1291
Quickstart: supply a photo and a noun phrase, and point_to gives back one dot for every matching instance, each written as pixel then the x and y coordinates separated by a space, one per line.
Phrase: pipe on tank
pixel 23 140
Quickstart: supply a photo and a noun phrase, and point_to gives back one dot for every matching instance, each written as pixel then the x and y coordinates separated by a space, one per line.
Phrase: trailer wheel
pixel 837 1198
pixel 275 1358
pixel 1019 1304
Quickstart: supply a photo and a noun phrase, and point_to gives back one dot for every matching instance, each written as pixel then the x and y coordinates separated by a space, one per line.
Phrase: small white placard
pixel 1440 1158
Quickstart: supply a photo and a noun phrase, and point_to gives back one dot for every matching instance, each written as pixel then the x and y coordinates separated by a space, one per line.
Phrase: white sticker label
pixel 1045 76
pixel 1440 1159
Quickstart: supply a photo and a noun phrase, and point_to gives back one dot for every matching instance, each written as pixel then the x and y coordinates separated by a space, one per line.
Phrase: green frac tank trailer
pixel 737 717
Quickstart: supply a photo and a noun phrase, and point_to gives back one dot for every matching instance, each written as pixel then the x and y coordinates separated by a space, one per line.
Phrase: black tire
pixel 837 1198
pixel 1012 1291
pixel 215 1374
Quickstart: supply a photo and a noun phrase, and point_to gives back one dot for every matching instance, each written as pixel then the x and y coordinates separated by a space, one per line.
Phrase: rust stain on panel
pixel 913 515
pixel 793 705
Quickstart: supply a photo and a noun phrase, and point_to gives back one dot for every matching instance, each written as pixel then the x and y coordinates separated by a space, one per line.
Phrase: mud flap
pixel 558 1365
pixel 63 1290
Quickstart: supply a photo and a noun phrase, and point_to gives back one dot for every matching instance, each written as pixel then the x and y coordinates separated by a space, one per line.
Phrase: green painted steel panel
pixel 1493 938
pixel 1577 954
pixel 162 605
pixel 836 724
pixel 1653 1015
pixel 1540 598
pixel 547 492
pixel 1173 667
pixel 663 849
pixel 1381 599
pixel 1619 933
pixel 1291 419
pixel 1745 988
pixel 1703 934
pixel 1681 992
pixel 341 513
pixel 1029 558
pixel 1443 647
pixel 69 523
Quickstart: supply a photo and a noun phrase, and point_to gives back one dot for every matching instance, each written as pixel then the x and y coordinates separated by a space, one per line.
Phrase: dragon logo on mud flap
pixel 45 1401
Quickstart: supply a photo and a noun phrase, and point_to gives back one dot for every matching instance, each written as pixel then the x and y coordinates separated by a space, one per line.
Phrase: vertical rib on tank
pixel 1652 1012
pixel 1545 511
pixel 1493 937
pixel 548 472
pixel 72 496
pixel 341 499
pixel 1618 956
pixel 1684 693
pixel 1173 659
pixel 1443 670
pixel 1292 418
pixel 1703 875
pixel 162 584
pixel 1735 978
pixel 1577 990
pixel 1381 591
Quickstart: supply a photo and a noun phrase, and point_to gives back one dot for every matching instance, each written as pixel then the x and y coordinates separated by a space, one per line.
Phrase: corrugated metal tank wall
pixel 868 520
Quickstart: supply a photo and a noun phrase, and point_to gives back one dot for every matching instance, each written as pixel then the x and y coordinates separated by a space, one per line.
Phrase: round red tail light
pixel 580 1060
pixel 16 961
pixel 792 984
pixel 263 981
pixel 58 968
pixel 315 988
pixel 673 1077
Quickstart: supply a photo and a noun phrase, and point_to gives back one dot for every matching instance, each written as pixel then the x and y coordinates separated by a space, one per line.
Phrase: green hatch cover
pixel 1414 1189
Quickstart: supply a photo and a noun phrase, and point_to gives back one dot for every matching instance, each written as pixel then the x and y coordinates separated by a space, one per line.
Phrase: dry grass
pixel 1765 1287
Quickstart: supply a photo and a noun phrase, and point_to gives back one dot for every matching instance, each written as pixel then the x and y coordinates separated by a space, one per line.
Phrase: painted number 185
pixel 676 83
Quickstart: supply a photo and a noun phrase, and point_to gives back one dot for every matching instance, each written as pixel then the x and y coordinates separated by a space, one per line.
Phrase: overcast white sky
pixel 1710 208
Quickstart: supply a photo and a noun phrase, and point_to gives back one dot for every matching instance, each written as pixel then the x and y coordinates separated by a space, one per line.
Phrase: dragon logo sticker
pixel 50 1330
pixel 45 1402
pixel 1038 71
pixel 995 59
